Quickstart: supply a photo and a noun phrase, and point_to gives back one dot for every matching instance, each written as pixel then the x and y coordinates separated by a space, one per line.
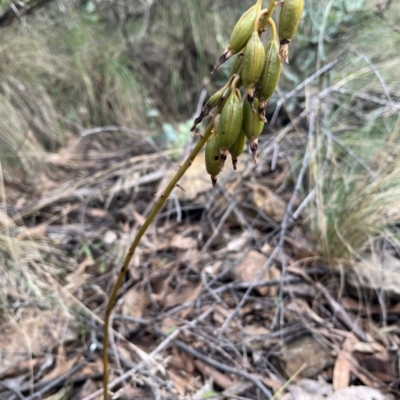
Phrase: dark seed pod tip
pixel 254 148
pixel 235 162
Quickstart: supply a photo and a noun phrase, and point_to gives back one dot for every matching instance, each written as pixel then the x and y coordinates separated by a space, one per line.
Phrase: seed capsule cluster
pixel 257 68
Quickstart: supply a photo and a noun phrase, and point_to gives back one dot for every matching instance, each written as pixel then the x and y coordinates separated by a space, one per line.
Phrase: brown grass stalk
pixel 131 251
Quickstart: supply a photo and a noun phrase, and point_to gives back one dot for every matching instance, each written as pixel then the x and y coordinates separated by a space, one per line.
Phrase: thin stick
pixel 124 269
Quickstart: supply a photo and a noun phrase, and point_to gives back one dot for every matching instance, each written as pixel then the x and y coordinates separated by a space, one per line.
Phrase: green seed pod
pixel 213 158
pixel 288 22
pixel 253 63
pixel 237 148
pixel 240 34
pixel 252 125
pixel 216 124
pixel 230 122
pixel 244 27
pixel 289 19
pixel 270 75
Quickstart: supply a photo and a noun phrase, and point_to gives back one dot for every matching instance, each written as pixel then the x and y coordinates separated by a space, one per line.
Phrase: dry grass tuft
pixel 56 77
pixel 354 172
pixel 354 206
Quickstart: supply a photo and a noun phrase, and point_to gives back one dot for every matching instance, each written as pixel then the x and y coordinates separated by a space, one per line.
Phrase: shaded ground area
pixel 226 298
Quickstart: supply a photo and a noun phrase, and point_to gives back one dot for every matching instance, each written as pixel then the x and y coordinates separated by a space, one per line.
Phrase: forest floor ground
pixel 226 297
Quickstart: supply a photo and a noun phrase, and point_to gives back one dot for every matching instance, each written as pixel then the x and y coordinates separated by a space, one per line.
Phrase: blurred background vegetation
pixel 142 63
pixel 66 66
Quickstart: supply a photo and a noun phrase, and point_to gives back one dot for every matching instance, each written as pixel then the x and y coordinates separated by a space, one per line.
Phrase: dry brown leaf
pixel 187 292
pixel 183 243
pixel 135 302
pixel 305 350
pixel 368 348
pixel 269 202
pixel 255 330
pixel 273 273
pixel 219 378
pixel 75 281
pixel 250 267
pixel 342 368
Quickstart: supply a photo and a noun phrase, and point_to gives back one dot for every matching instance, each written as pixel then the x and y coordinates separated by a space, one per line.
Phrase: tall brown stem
pixel 124 269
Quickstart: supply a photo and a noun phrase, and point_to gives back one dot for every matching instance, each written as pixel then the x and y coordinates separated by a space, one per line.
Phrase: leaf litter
pixel 181 299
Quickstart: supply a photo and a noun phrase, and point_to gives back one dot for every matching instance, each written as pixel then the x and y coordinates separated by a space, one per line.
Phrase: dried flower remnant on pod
pixel 289 20
pixel 257 68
